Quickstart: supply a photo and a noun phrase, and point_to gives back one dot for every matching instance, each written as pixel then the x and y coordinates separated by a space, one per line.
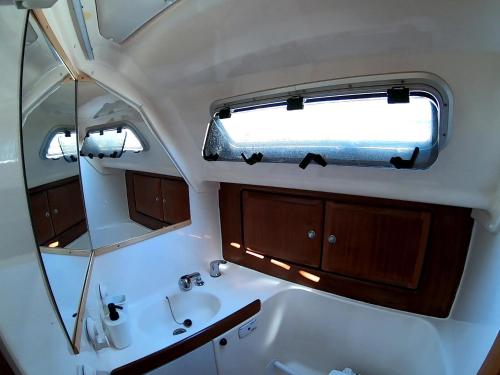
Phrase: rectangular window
pixel 382 127
pixel 60 143
pixel 111 141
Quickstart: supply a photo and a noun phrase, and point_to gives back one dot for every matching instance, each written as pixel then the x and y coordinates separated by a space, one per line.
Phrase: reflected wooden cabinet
pixel 57 211
pixel 404 255
pixel 156 201
pixel 147 195
pixel 41 218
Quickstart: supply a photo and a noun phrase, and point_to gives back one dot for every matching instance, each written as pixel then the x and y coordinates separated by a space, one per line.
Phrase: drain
pixel 178 331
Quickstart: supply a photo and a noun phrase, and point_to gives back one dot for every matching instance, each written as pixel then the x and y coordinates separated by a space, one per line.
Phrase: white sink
pixel 199 307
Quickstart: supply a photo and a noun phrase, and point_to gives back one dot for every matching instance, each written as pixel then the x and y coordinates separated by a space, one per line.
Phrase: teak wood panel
pixel 175 198
pixel 147 193
pixel 42 221
pixel 278 225
pixel 159 201
pixel 60 203
pixel 449 236
pixel 66 204
pixel 135 215
pixel 375 243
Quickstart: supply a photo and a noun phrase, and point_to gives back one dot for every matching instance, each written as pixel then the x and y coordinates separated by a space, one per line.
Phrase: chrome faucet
pixel 186 282
pixel 214 267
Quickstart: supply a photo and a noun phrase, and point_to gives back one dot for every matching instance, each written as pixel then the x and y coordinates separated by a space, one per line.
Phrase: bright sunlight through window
pixel 62 143
pixel 380 126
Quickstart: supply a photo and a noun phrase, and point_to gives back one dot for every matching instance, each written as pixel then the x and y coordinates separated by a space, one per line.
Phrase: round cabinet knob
pixel 223 342
pixel 56 211
pixel 157 199
pixel 332 239
pixel 47 214
pixel 311 235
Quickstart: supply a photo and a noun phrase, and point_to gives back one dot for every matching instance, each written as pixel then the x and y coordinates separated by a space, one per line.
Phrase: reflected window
pixel 111 142
pixel 61 143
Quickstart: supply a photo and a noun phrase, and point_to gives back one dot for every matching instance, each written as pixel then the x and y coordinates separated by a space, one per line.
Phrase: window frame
pixel 427 84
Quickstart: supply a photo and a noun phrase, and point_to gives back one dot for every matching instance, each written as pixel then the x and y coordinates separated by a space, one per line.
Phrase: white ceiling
pixel 200 51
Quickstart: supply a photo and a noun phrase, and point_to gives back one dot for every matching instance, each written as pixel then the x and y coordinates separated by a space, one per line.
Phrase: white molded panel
pixel 314 334
pixel 199 361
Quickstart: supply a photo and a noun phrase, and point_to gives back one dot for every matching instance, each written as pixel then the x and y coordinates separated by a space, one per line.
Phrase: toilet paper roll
pixel 119 331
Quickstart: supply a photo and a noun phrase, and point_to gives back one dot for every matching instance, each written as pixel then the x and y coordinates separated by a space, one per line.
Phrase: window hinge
pixel 397 95
pixel 225 113
pixel 295 103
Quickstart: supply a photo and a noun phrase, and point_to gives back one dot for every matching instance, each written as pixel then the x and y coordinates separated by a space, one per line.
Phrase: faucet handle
pixel 185 282
pixel 214 267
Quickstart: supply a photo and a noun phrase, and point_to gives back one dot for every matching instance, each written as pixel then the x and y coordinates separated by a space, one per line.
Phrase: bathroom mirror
pixel 49 141
pixel 131 186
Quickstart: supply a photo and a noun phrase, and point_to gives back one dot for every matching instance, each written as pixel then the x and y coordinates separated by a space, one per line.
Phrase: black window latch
pixel 255 158
pixel 400 163
pixel 317 158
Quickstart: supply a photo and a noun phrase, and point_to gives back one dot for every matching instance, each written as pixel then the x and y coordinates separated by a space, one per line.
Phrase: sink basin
pixel 197 306
pixel 155 316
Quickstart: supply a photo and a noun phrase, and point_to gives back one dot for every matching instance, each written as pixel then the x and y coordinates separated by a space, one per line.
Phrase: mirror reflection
pixel 50 155
pixel 130 184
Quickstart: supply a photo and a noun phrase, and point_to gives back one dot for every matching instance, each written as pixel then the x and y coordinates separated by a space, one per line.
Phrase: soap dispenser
pixel 117 327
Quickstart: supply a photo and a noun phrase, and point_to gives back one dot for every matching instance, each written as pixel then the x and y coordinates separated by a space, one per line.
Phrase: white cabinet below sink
pixel 199 361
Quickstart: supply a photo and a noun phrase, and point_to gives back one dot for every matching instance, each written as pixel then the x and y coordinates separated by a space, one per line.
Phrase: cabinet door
pixel 375 243
pixel 200 361
pixel 42 221
pixel 66 205
pixel 175 201
pixel 147 194
pixel 284 227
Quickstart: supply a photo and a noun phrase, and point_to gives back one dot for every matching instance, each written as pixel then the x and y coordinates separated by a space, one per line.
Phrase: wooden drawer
pixel 280 226
pixel 375 243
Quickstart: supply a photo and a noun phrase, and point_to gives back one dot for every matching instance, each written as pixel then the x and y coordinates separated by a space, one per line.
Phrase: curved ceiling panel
pixel 118 21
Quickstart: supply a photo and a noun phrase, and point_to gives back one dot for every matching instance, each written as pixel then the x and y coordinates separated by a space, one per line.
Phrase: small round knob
pixel 56 211
pixel 223 342
pixel 47 214
pixel 311 235
pixel 332 239
pixel 157 199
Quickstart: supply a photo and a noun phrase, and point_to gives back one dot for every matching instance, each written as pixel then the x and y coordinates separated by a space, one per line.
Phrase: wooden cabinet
pixel 66 205
pixel 58 212
pixel 147 196
pixel 375 243
pixel 40 217
pixel 175 198
pixel 156 201
pixel 283 227
pixel 405 255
